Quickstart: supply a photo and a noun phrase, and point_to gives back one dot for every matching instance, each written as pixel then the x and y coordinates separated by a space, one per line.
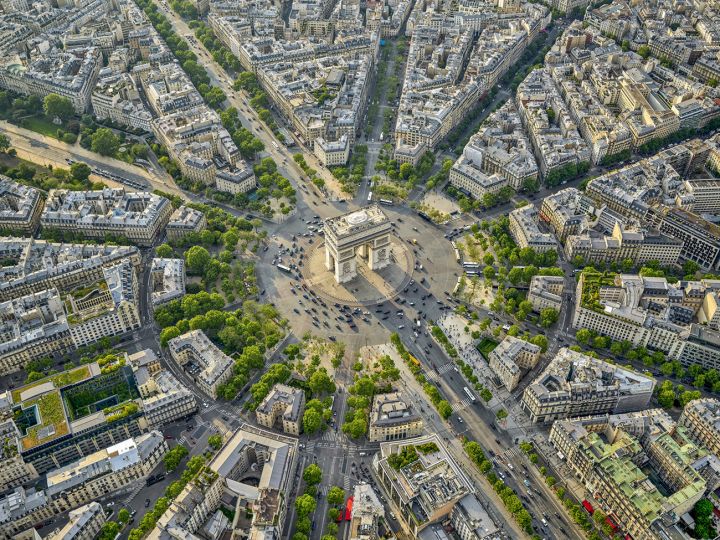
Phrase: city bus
pixel 471 264
pixel 284 268
pixel 348 509
pixel 370 197
pixel 386 202
pixel 469 394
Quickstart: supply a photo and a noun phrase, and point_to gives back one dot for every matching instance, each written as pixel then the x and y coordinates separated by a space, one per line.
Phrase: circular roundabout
pixel 369 287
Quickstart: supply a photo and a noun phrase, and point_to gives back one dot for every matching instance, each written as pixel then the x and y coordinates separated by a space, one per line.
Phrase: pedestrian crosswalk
pixel 513 452
pixel 445 368
pixel 329 435
pixel 461 405
pixel 133 494
pixel 347 483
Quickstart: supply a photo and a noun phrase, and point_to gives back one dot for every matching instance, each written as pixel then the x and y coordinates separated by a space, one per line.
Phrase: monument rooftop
pixel 356 222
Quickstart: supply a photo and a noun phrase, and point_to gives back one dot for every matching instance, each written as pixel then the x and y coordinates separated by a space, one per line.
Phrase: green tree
pixel 80 171
pixel 305 505
pixel 444 409
pixel 541 341
pixel 321 383
pixel 173 457
pixel 666 398
pixel 583 336
pixel 196 259
pixel 303 525
pixel 4 143
pixel 548 317
pixel 164 251
pixel 105 142
pixel 644 51
pixel 166 334
pixel 312 475
pixel 333 513
pixel 124 515
pixel 312 421
pixel 215 441
pixel 336 496
pixel 703 514
pixel 57 106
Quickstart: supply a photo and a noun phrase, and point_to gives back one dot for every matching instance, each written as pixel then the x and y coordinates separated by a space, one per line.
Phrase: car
pixel 147 503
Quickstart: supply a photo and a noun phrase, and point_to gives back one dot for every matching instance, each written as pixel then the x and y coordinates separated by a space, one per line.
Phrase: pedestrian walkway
pixel 461 405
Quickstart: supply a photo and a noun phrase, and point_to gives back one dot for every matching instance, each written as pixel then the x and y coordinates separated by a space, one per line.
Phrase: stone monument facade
pixel 366 233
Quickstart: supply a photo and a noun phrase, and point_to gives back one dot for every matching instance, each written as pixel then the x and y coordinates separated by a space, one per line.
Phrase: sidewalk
pixel 485 492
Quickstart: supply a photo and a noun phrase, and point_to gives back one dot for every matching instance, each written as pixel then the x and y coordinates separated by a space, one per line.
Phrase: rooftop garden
pixel 427 448
pixel 49 414
pixel 405 457
pixel 593 282
pixel 118 412
pixel 59 380
pixel 100 393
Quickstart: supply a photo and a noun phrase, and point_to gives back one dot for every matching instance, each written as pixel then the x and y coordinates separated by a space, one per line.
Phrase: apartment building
pixel 56 427
pixel 546 292
pixel 564 214
pixel 705 193
pixel 700 238
pixel 611 456
pixel 240 179
pixel 167 280
pixel 574 384
pixel 81 482
pixel 40 265
pixel 498 155
pixel 84 523
pixel 284 406
pixel 392 418
pixel 639 246
pixel 20 207
pixel 510 358
pixel 678 319
pixel 70 74
pixel 208 366
pixel 367 511
pixel 116 97
pixel 109 307
pixel 272 457
pixel 701 419
pixel 554 135
pixel 332 153
pixel 138 216
pixel 33 326
pixel 425 490
pixel 14 471
pixel 164 399
pixel 184 220
pixel 526 232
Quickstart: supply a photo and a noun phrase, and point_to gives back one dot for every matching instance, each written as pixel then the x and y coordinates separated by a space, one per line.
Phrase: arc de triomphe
pixel 365 232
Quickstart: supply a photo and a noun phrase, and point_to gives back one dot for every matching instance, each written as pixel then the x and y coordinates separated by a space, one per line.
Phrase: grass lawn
pixel 41 125
pixel 14 161
pixel 486 346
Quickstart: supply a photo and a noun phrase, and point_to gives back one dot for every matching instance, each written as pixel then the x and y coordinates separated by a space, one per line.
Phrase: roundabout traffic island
pixel 368 287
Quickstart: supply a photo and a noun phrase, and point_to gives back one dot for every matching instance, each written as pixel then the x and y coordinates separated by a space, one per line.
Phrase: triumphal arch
pixel 366 233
